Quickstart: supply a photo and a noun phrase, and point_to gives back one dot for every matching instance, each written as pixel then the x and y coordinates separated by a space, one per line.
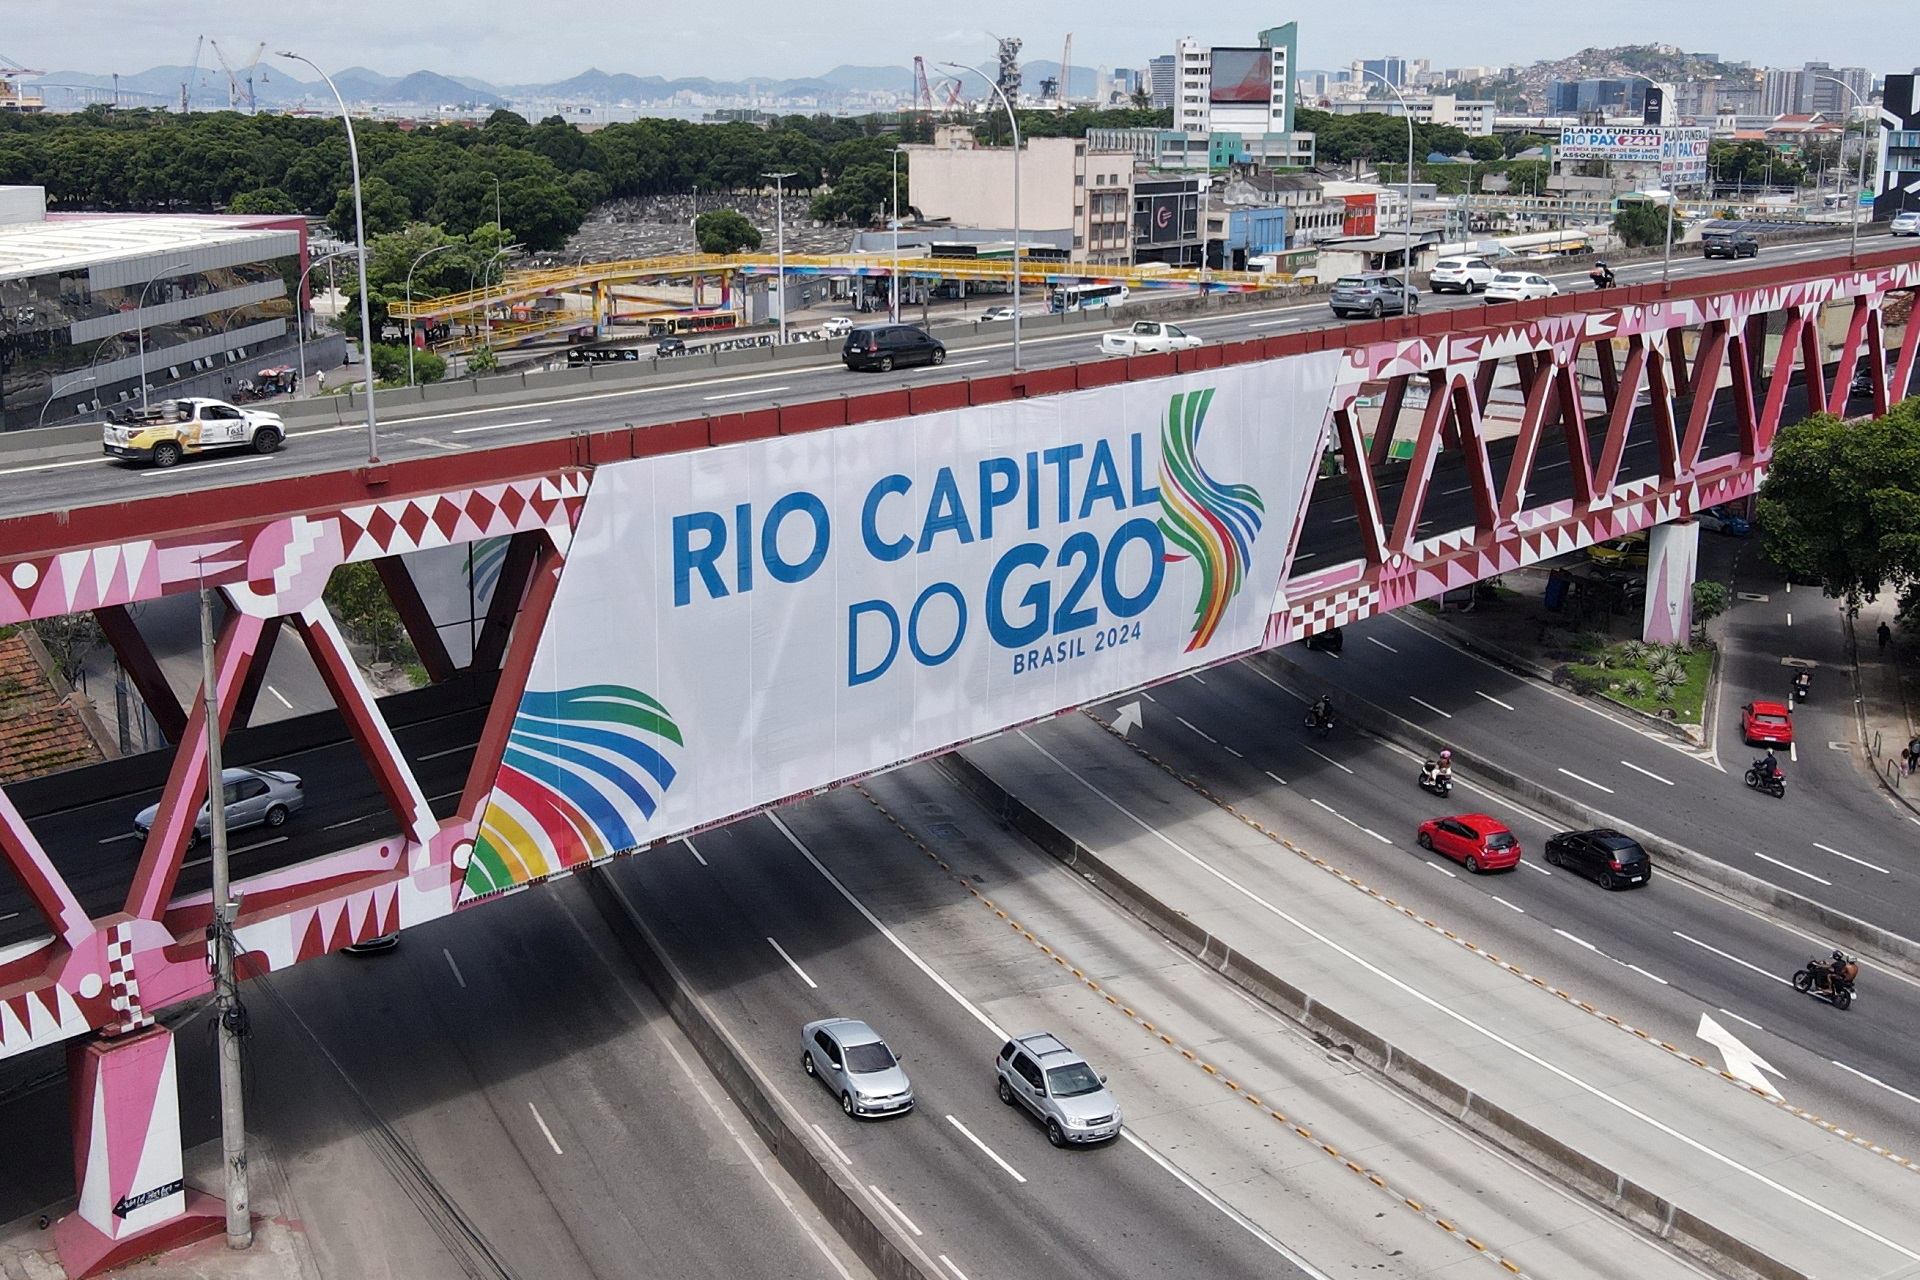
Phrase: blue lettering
pixel 996 495
pixel 743 547
pixel 1061 460
pixel 959 624
pixel 946 513
pixel 1103 481
pixel 1141 496
pixel 879 550
pixel 1082 546
pixel 855 675
pixel 1137 529
pixel 800 570
pixel 1037 600
pixel 1033 491
pixel 688 559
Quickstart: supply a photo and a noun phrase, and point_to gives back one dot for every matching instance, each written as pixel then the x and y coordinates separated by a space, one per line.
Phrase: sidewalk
pixel 1887 684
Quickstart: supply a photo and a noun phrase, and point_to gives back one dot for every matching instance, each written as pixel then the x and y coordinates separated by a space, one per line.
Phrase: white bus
pixel 1085 297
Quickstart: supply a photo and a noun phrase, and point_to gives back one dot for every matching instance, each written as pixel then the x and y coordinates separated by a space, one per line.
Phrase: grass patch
pixel 1648 678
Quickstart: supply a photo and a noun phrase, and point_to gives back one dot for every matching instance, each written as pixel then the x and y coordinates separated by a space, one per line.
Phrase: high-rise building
pixel 1393 70
pixel 1194 67
pixel 1781 95
pixel 1899 186
pixel 1163 81
pixel 1246 90
pixel 1818 92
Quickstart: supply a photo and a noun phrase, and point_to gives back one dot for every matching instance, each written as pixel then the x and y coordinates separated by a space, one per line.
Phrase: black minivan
pixel 883 346
pixel 1616 861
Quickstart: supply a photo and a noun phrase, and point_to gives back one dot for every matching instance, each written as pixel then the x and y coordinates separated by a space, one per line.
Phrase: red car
pixel 1474 840
pixel 1766 723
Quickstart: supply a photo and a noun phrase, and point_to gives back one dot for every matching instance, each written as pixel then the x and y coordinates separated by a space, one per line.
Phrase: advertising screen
pixel 1242 75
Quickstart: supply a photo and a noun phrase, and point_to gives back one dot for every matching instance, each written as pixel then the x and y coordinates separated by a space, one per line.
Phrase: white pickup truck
pixel 170 430
pixel 1147 337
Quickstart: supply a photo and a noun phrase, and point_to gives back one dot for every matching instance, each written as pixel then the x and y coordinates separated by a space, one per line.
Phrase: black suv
pixel 1616 861
pixel 1729 244
pixel 883 346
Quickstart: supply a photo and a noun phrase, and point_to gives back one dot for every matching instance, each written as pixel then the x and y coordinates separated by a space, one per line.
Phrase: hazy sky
pixel 510 43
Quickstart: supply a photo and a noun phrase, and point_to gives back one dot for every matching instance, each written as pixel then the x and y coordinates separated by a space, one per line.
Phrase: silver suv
pixel 1373 293
pixel 1059 1087
pixel 851 1059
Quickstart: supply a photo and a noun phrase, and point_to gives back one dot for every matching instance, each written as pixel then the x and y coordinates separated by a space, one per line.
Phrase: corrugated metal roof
pixel 134 248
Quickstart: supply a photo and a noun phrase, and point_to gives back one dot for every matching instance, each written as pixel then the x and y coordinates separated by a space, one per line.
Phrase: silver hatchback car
pixel 1059 1087
pixel 255 797
pixel 851 1059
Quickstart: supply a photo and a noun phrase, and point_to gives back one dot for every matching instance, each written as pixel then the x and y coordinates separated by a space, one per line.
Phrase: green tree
pixel 359 602
pixel 390 365
pixel 483 360
pixel 1710 600
pixel 1640 223
pixel 263 200
pixel 384 208
pixel 861 195
pixel 1842 502
pixel 725 231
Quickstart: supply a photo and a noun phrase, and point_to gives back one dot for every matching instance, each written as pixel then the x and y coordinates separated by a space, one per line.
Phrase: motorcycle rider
pixel 1831 974
pixel 1438 773
pixel 1601 275
pixel 1802 681
pixel 1321 712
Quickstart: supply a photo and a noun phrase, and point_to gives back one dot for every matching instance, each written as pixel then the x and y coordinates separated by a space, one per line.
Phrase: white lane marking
pixel 1230 751
pixel 956 1271
pixel 1576 941
pixel 1495 701
pixel 1445 1010
pixel 1789 619
pixel 1589 781
pixel 833 1146
pixel 1000 1035
pixel 177 472
pixel 283 697
pixel 687 841
pixel 448 752
pixel 1503 902
pixel 131 835
pixel 335 826
pixel 1533 866
pixel 49 466
pixel 757 391
pixel 1650 773
pixel 258 844
pixel 1850 858
pixel 957 364
pixel 1195 677
pixel 791 965
pixel 1643 973
pixel 501 426
pixel 11 915
pixel 1383 644
pixel 457 976
pixel 1796 870
pixel 1870 1080
pixel 986 1150
pixel 894 1209
pixel 1276 777
pixel 1429 706
pixel 537 1119
pixel 1793 752
pixel 1725 955
pixel 1737 1018
pixel 1202 732
pixel 1330 760
pixel 1376 835
pixel 1442 870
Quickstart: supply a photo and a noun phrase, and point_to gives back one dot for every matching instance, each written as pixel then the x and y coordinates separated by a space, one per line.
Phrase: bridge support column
pixel 1673 555
pixel 125 1102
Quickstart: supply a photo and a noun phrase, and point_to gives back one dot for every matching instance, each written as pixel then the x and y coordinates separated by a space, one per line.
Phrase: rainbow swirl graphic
pixel 584 769
pixel 1213 523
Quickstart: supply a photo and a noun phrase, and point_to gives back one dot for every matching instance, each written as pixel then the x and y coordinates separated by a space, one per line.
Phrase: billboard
pixel 741 625
pixel 1683 155
pixel 1242 75
pixel 1632 144
pixel 1157 219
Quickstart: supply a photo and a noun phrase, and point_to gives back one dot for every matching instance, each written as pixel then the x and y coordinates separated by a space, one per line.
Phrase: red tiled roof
pixel 40 732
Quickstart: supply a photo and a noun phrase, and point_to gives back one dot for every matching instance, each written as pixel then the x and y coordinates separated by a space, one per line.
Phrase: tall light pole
pixel 780 245
pixel 893 277
pixel 1406 265
pixel 416 262
pixel 956 70
pixel 1853 214
pixel 140 334
pixel 360 235
pixel 299 312
pixel 71 386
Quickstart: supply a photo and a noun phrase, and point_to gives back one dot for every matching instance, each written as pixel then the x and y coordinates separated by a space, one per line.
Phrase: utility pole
pixel 233 1120
pixel 780 244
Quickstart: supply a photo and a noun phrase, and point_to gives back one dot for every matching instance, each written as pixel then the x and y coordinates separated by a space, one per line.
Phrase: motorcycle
pixel 1321 720
pixel 1602 276
pixel 1432 780
pixel 1831 981
pixel 1773 782
pixel 1801 683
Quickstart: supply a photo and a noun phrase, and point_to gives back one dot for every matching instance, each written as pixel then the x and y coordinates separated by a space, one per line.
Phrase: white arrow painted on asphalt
pixel 1129 718
pixel 1742 1063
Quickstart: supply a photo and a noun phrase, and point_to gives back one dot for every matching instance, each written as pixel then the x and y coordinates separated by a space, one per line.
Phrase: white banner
pixel 739 625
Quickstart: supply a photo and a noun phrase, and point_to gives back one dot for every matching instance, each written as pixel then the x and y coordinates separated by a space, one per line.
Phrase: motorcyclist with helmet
pixel 1601 275
pixel 1437 774
pixel 1830 976
pixel 1321 712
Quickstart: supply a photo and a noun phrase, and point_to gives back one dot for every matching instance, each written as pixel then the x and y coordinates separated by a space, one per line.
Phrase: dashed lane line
pixel 1495 701
pixel 1850 858
pixel 1589 781
pixel 539 1120
pixel 986 1150
pixel 1383 644
pixel 792 965
pixel 1330 760
pixel 1648 772
pixel 1790 867
pixel 1429 706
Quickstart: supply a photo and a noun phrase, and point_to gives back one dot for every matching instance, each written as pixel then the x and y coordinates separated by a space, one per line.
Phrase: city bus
pixel 1085 297
pixel 683 323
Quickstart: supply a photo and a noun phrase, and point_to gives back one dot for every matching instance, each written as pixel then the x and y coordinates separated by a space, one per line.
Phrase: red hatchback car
pixel 1474 840
pixel 1766 723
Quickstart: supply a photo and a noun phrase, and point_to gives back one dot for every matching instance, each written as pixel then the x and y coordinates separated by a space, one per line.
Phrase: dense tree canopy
pixel 1842 502
pixel 724 231
pixel 1640 223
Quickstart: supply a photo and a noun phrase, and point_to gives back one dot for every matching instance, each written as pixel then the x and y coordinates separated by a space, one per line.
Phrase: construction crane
pixel 253 104
pixel 233 81
pixel 953 94
pixel 11 98
pixel 922 94
pixel 193 74
pixel 1066 71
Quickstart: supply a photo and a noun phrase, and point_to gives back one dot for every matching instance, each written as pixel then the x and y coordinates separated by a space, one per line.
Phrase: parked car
pixel 1474 840
pixel 836 326
pixel 1520 286
pixel 1724 519
pixel 1620 553
pixel 1616 861
pixel 885 346
pixel 1147 337
pixel 1461 275
pixel 170 430
pixel 1905 224
pixel 1058 1086
pixel 1729 244
pixel 1373 293
pixel 855 1064
pixel 254 797
pixel 1766 724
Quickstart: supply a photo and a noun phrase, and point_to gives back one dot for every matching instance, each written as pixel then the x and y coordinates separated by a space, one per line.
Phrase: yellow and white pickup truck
pixel 165 432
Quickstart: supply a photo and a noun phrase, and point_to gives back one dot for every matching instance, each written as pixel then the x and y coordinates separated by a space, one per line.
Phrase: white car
pixel 1461 275
pixel 1003 313
pixel 1519 286
pixel 836 326
pixel 1906 224
pixel 1147 337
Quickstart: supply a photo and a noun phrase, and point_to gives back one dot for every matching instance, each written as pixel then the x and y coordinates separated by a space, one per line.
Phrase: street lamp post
pixel 780 245
pixel 299 312
pixel 1853 214
pixel 1013 124
pixel 893 277
pixel 140 331
pixel 416 262
pixel 71 386
pixel 360 235
pixel 1406 265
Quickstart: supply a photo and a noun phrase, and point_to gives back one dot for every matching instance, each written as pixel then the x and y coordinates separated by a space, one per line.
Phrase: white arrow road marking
pixel 1742 1063
pixel 1129 718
